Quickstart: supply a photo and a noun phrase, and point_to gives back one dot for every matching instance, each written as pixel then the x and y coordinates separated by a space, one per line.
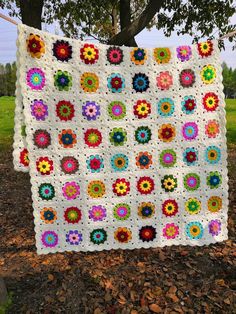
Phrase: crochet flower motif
pixel 184 53
pixel 214 179
pixel 35 46
pixel 190 131
pixel 121 187
pixel 165 107
pixel 63 80
pixel 210 101
pixel 71 190
pixel 96 189
pixel 62 50
pixel 212 128
pixel 65 110
pixel 190 156
pixel 191 181
pixel 205 49
pixel 69 165
pixel 98 236
pixel 74 237
pixel 188 104
pixel 89 54
pixel 187 78
pixel 145 185
pixel 143 160
pixel 116 83
pixel 169 183
pixel 119 162
pixel 72 215
pixel 170 231
pixel 93 138
pixel 46 191
pixel 39 110
pixel 214 204
pixel 162 55
pixel 89 82
pixel 193 206
pixel 170 208
pixel 143 134
pixel 166 133
pixel 208 74
pixel 123 235
pixel 44 165
pixel 138 55
pixel 146 210
pixel 194 230
pixel 91 110
pixel 49 239
pixel 24 157
pixel 48 215
pixel 67 138
pixel 214 227
pixel 121 211
pixel 140 82
pixel 168 158
pixel 95 163
pixel 41 138
pixel 147 233
pixel 212 154
pixel 35 78
pixel 115 55
pixel 142 109
pixel 116 110
pixel 118 136
pixel 97 213
pixel 164 80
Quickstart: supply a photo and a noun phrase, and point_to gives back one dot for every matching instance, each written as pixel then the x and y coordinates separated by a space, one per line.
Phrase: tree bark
pixel 31 12
pixel 125 35
pixel 125 21
pixel 114 21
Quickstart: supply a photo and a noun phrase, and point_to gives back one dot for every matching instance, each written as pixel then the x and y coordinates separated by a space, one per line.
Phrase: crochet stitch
pixel 125 147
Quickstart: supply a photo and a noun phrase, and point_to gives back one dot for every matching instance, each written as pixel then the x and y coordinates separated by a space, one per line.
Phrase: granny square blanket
pixel 126 147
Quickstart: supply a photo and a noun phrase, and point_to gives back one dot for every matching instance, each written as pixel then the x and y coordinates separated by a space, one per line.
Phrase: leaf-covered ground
pixel 168 280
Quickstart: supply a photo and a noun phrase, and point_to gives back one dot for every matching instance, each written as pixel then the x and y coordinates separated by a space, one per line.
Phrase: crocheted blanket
pixel 126 147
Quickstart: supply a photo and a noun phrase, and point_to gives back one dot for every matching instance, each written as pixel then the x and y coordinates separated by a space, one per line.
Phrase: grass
pixel 231 120
pixel 7 106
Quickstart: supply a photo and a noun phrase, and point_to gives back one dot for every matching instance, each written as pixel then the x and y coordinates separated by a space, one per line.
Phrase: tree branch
pixel 137 25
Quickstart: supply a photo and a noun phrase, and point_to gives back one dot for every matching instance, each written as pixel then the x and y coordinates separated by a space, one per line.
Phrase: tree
pixel 119 21
pixel 229 81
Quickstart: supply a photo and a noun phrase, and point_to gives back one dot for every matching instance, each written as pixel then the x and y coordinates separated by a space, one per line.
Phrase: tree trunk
pixel 31 12
pixel 114 21
pixel 125 21
pixel 126 35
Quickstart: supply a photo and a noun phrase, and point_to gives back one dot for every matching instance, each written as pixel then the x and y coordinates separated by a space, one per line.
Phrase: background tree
pixel 119 21
pixel 229 81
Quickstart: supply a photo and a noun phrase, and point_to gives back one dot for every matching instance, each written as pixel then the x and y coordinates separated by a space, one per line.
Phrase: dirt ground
pixel 168 280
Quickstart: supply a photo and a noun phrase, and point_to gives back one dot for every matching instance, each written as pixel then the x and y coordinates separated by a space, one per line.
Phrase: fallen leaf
pixel 155 308
pixel 227 301
pixel 107 297
pixel 50 277
pixel 220 282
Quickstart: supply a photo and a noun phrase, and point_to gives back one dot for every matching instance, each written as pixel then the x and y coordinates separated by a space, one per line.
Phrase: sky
pixel 153 38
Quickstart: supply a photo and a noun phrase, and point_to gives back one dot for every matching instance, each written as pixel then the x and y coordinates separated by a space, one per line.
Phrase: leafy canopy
pixel 105 19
